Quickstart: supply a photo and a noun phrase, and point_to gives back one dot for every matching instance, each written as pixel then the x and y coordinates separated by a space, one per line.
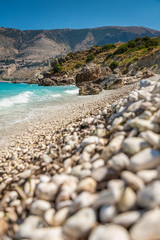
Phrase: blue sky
pixel 50 14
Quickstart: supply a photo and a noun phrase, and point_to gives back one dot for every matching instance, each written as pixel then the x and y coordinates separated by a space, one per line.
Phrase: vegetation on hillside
pixel 112 55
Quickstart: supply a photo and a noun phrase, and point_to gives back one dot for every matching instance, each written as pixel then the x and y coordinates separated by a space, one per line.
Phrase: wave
pixel 20 98
pixel 56 95
pixel 76 91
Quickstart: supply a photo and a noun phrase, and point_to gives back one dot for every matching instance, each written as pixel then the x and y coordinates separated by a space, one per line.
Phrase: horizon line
pixel 111 26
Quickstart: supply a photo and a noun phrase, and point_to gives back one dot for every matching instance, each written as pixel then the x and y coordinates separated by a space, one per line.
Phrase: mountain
pixel 25 53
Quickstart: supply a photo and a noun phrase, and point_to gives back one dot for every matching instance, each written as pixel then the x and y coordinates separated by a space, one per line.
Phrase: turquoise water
pixel 22 101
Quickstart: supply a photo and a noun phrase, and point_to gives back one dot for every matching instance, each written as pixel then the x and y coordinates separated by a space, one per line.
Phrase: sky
pixel 53 14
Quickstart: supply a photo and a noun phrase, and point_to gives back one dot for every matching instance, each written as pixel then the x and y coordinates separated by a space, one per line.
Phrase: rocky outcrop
pixel 145 74
pixel 89 73
pixel 92 79
pixel 24 53
pixel 90 89
pixel 46 82
pixel 85 80
pixel 148 63
pixel 151 60
pixel 53 81
pixel 113 81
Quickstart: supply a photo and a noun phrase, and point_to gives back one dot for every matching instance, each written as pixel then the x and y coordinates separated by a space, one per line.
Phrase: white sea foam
pixel 74 92
pixel 20 98
pixel 56 95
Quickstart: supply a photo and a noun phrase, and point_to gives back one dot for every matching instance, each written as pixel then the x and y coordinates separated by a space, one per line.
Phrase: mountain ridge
pixel 33 49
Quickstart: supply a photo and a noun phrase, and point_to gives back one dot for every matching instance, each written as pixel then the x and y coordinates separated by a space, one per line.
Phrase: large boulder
pixel 92 79
pixel 132 69
pixel 106 71
pixel 32 81
pixel 90 89
pixel 147 74
pixel 67 81
pixel 63 81
pixel 56 81
pixel 47 74
pixel 89 73
pixel 111 82
pixel 46 82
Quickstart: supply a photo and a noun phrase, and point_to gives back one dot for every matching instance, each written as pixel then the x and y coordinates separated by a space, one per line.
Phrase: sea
pixel 20 102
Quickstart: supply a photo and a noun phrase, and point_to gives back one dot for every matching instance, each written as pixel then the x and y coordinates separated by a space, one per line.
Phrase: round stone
pixel 119 161
pixel 79 225
pixel 87 184
pixel 133 145
pixel 146 159
pixel 46 191
pixel 38 207
pixel 127 219
pixel 109 232
pixel 149 197
pixel 107 213
pixel 128 200
pixel 147 227
pixel 60 216
pixel 49 216
pixel 132 180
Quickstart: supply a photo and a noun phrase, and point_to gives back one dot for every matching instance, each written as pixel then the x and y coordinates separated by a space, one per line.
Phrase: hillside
pixel 97 68
pixel 24 54
pixel 121 55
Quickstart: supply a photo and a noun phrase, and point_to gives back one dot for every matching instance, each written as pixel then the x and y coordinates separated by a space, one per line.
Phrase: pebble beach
pixel 90 170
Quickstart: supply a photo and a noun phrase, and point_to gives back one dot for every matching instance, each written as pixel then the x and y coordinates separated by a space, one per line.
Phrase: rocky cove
pixel 25 55
pixel 89 170
pixel 92 79
pixel 103 68
pixel 93 176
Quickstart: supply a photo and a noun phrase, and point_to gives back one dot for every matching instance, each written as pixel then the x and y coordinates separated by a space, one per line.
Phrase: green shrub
pixel 122 48
pixel 131 44
pixel 138 39
pixel 107 47
pixel 90 57
pixel 155 66
pixel 57 68
pixel 113 65
pixel 145 42
pixel 109 55
pixel 150 48
pixel 71 54
pixel 153 42
pixel 146 38
pixel 78 65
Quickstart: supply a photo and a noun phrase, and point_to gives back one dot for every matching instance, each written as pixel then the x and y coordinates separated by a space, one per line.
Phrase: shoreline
pixel 61 116
pixel 94 163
